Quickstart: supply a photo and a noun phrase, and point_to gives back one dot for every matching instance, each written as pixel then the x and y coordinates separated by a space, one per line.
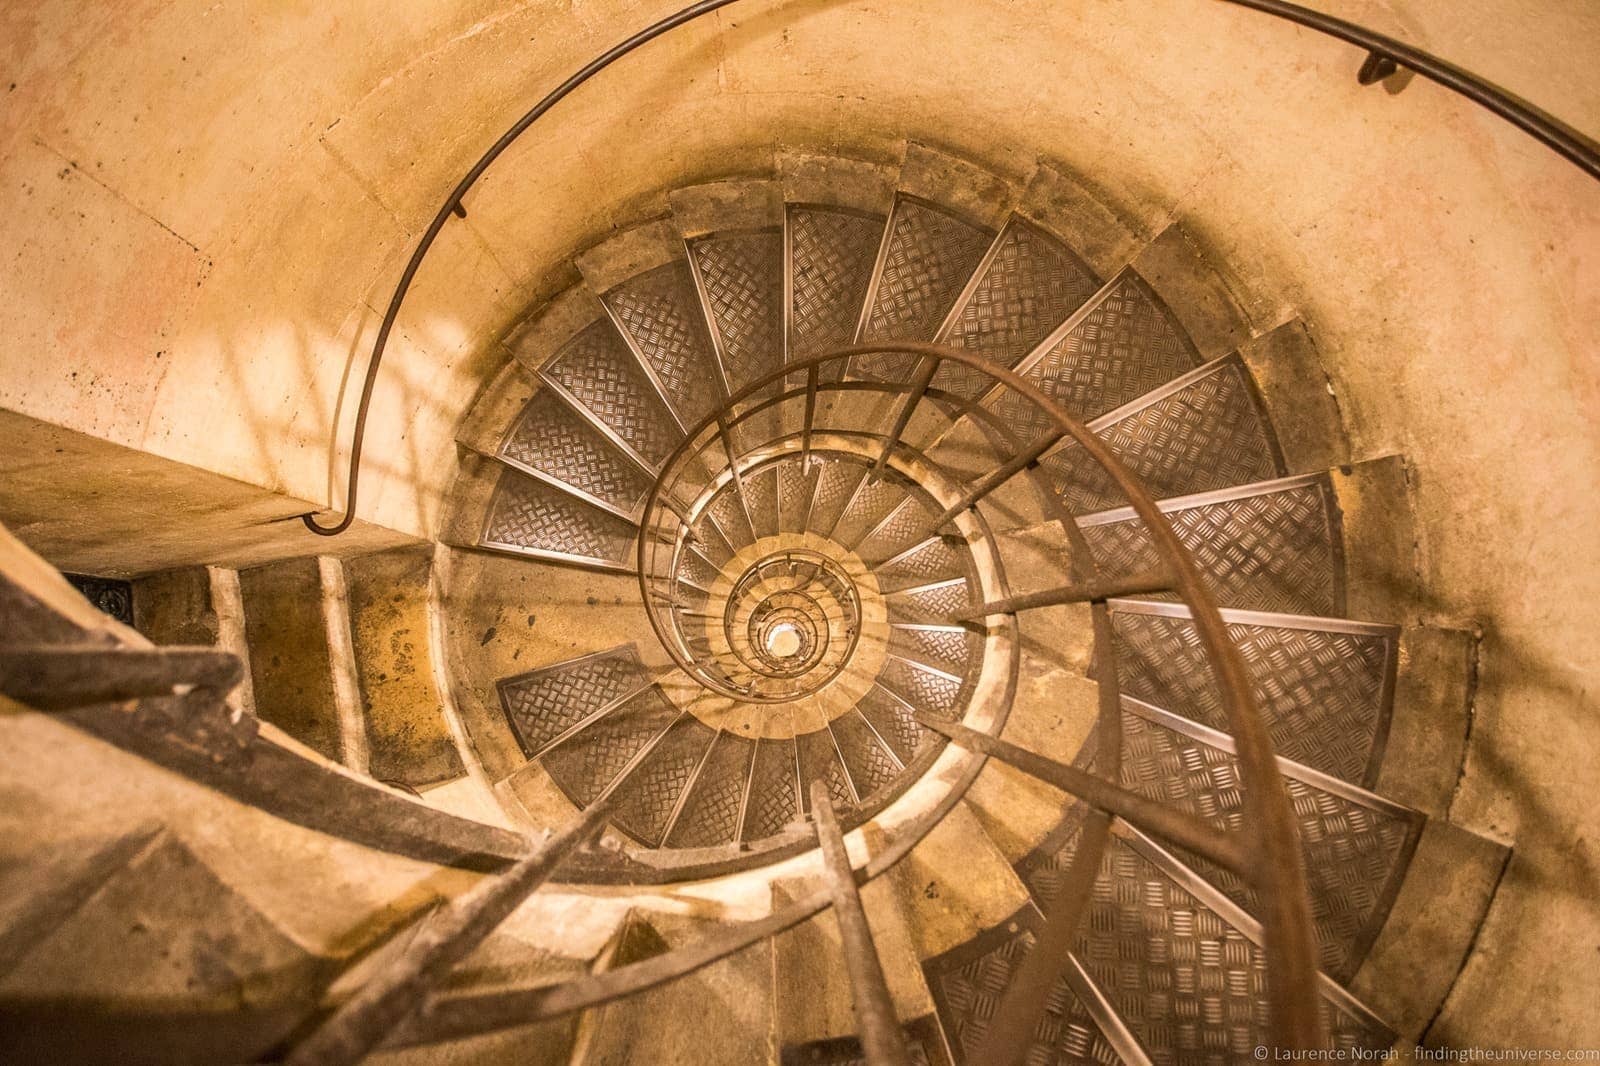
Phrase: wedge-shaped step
pixel 939 558
pixel 1324 686
pixel 727 511
pixel 892 719
pixel 796 489
pixel 530 517
pixel 695 569
pixel 602 378
pixel 831 254
pixel 773 800
pixel 741 280
pixel 1179 962
pixel 870 762
pixel 590 761
pixel 1117 347
pixel 1027 285
pixel 953 649
pixel 928 255
pixel 1357 845
pixel 909 524
pixel 820 761
pixel 837 483
pixel 969 981
pixel 1270 546
pixel 1204 430
pixel 648 798
pixel 930 604
pixel 659 312
pixel 925 687
pixel 874 500
pixel 761 501
pixel 552 442
pixel 545 705
pixel 711 812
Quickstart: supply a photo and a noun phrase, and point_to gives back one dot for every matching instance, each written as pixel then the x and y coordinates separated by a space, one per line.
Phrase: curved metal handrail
pixel 1290 943
pixel 1530 120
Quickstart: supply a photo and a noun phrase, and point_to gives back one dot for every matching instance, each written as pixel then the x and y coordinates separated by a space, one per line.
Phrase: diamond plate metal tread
pixel 1202 431
pixel 819 760
pixel 931 604
pixel 660 313
pixel 774 800
pixel 647 797
pixel 927 257
pixel 741 275
pixel 713 543
pixel 696 569
pixel 938 559
pixel 550 439
pixel 796 487
pixel 1181 965
pixel 1117 347
pixel 867 758
pixel 1324 686
pixel 604 379
pixel 1028 284
pixel 542 704
pixel 730 517
pixel 836 487
pixel 910 523
pixel 761 501
pixel 1270 546
pixel 831 254
pixel 535 518
pixel 585 766
pixel 924 687
pixel 953 649
pixel 969 981
pixel 710 815
pixel 891 719
pixel 1356 845
pixel 872 502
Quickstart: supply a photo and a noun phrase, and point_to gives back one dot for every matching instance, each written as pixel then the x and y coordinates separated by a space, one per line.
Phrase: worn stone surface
pixel 1288 373
pixel 407 737
pixel 1434 691
pixel 1192 284
pixel 1382 581
pixel 291 669
pixel 174 607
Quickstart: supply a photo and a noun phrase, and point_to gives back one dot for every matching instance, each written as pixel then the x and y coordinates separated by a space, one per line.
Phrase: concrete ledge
pixel 468 501
pixel 534 340
pixel 1065 206
pixel 1298 397
pixel 1381 579
pixel 630 253
pixel 837 181
pixel 956 883
pixel 1446 893
pixel 496 408
pixel 1432 708
pixel 727 205
pixel 953 183
pixel 1192 286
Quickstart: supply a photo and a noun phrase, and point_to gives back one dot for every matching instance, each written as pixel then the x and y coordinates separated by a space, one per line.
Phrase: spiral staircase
pixel 694 563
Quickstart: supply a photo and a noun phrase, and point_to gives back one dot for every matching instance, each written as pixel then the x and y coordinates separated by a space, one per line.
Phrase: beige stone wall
pixel 206 206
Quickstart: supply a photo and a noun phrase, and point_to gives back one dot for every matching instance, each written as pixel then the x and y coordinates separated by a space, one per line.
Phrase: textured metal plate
pixel 955 650
pixel 646 798
pixel 1356 845
pixel 542 704
pixel 597 369
pixel 761 500
pixel 660 312
pixel 742 276
pixel 909 523
pixel 729 515
pixel 819 761
pixel 529 514
pixel 969 981
pixel 927 257
pixel 1202 431
pixel 795 490
pixel 587 764
pixel 1325 688
pixel 710 816
pixel 1115 349
pixel 930 604
pixel 870 505
pixel 774 801
pixel 1186 973
pixel 923 687
pixel 891 719
pixel 831 256
pixel 872 766
pixel 552 439
pixel 1027 286
pixel 696 569
pixel 938 559
pixel 836 487
pixel 1273 546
